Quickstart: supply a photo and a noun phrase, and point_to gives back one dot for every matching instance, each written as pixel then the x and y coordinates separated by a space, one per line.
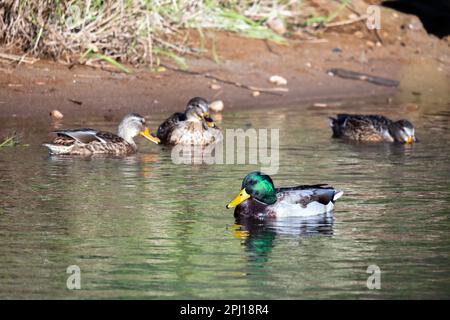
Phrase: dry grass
pixel 133 31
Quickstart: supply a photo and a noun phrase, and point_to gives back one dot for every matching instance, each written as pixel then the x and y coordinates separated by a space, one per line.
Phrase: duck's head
pixel 258 186
pixel 133 125
pixel 403 131
pixel 197 109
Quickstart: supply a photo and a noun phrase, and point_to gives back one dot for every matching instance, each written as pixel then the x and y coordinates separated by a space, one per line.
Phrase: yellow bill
pixel 147 135
pixel 410 140
pixel 209 121
pixel 241 197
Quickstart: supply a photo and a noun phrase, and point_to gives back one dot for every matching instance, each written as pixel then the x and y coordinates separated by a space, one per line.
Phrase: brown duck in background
pixel 194 126
pixel 372 128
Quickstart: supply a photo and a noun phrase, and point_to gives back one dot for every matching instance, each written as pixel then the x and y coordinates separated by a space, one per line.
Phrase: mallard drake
pixel 90 141
pixel 259 198
pixel 372 128
pixel 192 127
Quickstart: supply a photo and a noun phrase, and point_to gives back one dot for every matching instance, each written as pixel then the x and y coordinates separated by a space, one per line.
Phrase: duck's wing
pixel 108 137
pixel 87 135
pixel 306 194
pixel 84 135
pixel 167 126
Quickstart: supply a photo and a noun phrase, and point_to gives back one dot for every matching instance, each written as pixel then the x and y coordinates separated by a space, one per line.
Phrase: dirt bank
pixel 420 62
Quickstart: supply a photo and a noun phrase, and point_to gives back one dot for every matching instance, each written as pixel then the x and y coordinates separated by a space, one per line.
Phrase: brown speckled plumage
pixel 370 128
pixel 178 130
pixel 88 141
pixel 105 143
pixel 194 126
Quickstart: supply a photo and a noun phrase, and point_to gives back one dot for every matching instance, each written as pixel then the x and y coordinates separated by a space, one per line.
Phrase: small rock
pixel 256 93
pixel 410 106
pixel 308 64
pixel 278 80
pixel 56 115
pixel 352 16
pixel 216 106
pixel 215 86
pixel 277 25
pixel 359 34
pixel 370 44
pixel 320 105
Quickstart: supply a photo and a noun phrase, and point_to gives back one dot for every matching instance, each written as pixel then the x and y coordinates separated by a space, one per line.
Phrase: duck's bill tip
pixel 211 124
pixel 209 120
pixel 147 135
pixel 241 197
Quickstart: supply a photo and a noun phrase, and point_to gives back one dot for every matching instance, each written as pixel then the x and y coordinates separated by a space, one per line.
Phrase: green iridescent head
pixel 257 185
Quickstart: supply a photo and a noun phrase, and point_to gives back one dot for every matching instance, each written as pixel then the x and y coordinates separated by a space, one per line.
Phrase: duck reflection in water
pixel 258 235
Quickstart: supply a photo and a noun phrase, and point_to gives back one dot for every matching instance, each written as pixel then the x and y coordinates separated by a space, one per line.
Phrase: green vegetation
pixel 10 141
pixel 140 32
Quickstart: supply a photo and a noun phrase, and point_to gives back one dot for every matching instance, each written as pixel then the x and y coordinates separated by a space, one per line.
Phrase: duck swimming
pixel 259 198
pixel 90 141
pixel 374 128
pixel 192 127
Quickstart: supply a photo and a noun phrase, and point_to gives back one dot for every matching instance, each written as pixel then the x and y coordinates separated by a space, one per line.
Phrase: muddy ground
pixel 406 53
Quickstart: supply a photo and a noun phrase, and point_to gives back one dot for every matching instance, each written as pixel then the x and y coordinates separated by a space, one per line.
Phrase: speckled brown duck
pixel 194 126
pixel 88 141
pixel 372 128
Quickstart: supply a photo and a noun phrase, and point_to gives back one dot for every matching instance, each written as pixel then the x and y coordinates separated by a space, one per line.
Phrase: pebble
pixel 215 86
pixel 256 93
pixel 216 106
pixel 56 115
pixel 359 34
pixel 278 80
pixel 277 25
pixel 410 106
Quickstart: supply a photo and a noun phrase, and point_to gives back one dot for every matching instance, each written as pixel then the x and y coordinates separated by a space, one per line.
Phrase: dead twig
pixel 346 22
pixel 17 58
pixel 273 91
pixel 75 101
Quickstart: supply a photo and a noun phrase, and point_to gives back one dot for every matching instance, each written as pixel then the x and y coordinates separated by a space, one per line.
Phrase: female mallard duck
pixel 373 128
pixel 192 127
pixel 259 198
pixel 89 141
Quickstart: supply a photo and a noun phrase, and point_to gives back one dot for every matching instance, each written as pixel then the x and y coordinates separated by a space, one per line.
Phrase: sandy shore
pixel 32 90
